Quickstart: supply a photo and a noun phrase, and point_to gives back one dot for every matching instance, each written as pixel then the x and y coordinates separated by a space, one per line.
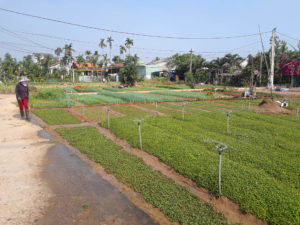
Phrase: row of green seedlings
pixel 219 145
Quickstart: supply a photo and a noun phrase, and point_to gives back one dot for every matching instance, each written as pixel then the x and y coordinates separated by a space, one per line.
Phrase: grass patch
pixel 139 97
pixel 70 90
pixel 173 86
pixel 95 114
pixel 97 99
pixel 113 89
pixel 131 111
pixel 174 201
pixel 56 116
pixel 51 97
pixel 184 94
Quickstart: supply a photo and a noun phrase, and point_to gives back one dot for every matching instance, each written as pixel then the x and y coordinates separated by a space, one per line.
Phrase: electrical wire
pixel 22 38
pixel 130 33
pixel 16 49
pixel 136 48
pixel 295 39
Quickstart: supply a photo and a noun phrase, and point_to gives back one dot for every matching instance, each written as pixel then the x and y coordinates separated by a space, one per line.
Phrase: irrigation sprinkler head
pixel 139 122
pixel 219 145
pixel 108 109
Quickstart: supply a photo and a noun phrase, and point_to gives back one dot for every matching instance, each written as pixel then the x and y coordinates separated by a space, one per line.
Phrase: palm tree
pixel 94 60
pixel 122 49
pixel 68 56
pixel 102 43
pixel 80 59
pixel 104 62
pixel 88 53
pixel 109 41
pixel 129 44
pixel 68 50
pixel 58 51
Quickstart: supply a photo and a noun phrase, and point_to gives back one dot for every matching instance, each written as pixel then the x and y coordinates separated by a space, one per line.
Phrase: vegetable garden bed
pixel 178 204
pixel 56 116
pixel 260 169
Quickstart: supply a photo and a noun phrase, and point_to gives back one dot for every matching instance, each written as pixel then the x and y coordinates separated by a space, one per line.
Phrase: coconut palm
pixel 88 53
pixel 129 44
pixel 102 44
pixel 94 60
pixel 58 51
pixel 68 50
pixel 122 49
pixel 80 59
pixel 109 41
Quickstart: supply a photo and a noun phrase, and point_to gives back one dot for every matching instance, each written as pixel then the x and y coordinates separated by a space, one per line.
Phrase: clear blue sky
pixel 189 18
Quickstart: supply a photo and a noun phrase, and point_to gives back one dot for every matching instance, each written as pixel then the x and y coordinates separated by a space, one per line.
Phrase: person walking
pixel 22 94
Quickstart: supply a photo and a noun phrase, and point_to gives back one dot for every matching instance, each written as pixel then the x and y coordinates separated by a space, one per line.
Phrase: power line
pixel 295 39
pixel 130 33
pixel 55 37
pixel 137 48
pixel 15 44
pixel 16 49
pixel 22 38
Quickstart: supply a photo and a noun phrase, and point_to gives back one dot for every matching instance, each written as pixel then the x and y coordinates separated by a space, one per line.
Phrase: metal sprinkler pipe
pixel 156 104
pixel 220 147
pixel 140 133
pixel 228 114
pixel 183 111
pixel 82 107
pixel 108 112
pixel 71 98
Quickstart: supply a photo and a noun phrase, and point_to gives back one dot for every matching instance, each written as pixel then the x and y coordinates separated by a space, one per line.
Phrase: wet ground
pixel 82 196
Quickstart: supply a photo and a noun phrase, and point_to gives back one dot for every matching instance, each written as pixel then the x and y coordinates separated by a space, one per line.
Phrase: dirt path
pixel 23 194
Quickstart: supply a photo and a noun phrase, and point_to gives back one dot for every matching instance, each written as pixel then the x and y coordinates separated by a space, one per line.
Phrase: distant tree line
pixel 287 67
pixel 36 66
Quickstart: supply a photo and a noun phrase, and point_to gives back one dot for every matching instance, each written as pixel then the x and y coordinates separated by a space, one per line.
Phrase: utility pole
pixel 252 72
pixel 263 52
pixel 260 67
pixel 271 77
pixel 191 60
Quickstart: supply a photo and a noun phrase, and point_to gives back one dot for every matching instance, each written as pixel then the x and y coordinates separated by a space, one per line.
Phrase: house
pixel 88 72
pixel 113 71
pixel 55 66
pixel 156 68
pixel 37 56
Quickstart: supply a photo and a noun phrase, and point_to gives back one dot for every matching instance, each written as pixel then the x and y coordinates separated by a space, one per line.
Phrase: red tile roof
pixel 87 66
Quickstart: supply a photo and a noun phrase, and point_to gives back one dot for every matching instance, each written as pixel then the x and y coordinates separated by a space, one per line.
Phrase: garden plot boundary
pixel 223 205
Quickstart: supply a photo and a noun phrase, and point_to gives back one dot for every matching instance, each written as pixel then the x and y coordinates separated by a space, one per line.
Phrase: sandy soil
pixel 23 194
